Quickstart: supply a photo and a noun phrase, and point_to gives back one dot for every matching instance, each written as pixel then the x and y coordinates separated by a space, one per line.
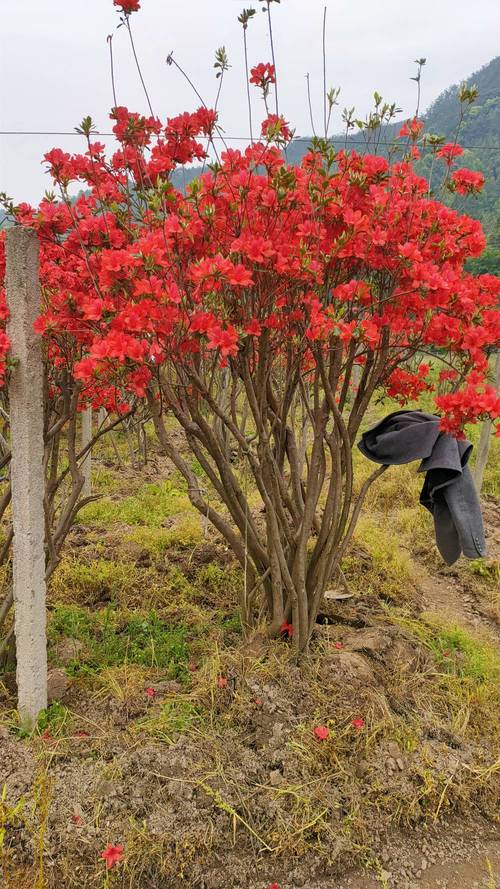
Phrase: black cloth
pixel 449 492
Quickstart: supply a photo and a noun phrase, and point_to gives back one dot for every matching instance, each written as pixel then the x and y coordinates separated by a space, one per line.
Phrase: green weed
pixel 150 506
pixel 489 571
pixel 104 480
pixel 100 580
pixel 110 640
pixel 461 653
pixel 388 571
pixel 53 720
pixel 176 717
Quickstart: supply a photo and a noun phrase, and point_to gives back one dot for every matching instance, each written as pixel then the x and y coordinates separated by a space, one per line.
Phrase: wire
pixel 340 139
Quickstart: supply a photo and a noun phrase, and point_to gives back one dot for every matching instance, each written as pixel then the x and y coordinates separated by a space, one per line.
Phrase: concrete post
pixel 356 376
pixel 483 448
pixel 86 437
pixel 27 476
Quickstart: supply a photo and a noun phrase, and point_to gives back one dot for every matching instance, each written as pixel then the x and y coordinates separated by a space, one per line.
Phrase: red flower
pixel 286 629
pixel 411 128
pixel 150 692
pixel 224 340
pixel 240 276
pixel 321 732
pixel 263 74
pixel 112 855
pixel 339 645
pixel 274 886
pixel 358 723
pixel 467 181
pixel 77 819
pixel 275 128
pixel 449 151
pixel 222 681
pixel 127 6
pixel 253 327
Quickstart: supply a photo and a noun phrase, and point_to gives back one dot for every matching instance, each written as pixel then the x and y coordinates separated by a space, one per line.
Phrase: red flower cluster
pixel 263 75
pixel 405 386
pixel 467 181
pixel 411 128
pixel 127 6
pixel 276 129
pixel 449 152
pixel 358 258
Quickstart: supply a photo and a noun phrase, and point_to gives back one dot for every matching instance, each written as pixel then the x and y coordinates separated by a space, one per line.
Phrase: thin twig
pixel 129 29
pixel 249 101
pixel 324 75
pixel 273 55
pixel 310 103
pixel 112 69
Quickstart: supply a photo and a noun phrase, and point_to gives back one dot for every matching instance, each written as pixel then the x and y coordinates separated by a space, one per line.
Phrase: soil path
pixel 446 592
pixel 446 595
pixel 450 857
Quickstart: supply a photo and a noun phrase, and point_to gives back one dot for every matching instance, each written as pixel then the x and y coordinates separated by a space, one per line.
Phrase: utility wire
pixel 340 139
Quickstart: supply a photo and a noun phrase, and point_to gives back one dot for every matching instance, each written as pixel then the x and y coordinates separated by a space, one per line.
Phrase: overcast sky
pixel 54 63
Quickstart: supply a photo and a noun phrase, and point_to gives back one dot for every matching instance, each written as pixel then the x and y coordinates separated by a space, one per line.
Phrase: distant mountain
pixel 480 135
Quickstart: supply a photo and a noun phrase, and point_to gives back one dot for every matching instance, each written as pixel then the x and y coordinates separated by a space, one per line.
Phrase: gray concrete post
pixel 483 448
pixel 27 476
pixel 86 437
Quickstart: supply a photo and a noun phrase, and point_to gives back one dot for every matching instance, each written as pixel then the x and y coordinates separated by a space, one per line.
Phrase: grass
pixel 385 568
pixel 174 718
pixel 186 533
pixel 483 576
pixel 150 506
pixel 110 639
pixel 452 646
pixel 458 690
pixel 462 653
pixel 99 580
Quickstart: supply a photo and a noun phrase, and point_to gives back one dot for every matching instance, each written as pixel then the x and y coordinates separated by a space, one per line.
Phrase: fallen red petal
pixel 322 732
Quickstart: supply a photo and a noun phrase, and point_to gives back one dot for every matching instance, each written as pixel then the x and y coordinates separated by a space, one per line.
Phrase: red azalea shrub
pixel 247 301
